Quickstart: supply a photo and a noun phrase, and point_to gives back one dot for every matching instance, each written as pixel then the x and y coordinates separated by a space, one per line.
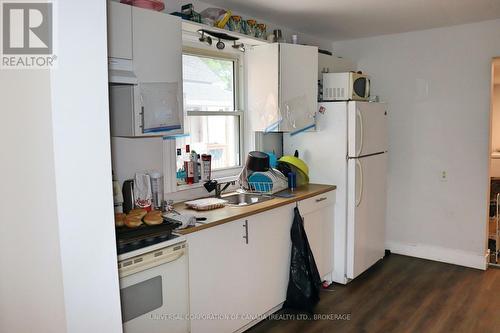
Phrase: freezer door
pixel 367 128
pixel 366 202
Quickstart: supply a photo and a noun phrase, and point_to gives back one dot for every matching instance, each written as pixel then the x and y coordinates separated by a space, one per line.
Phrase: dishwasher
pixel 154 289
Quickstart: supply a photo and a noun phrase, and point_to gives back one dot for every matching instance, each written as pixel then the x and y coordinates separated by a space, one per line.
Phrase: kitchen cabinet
pixel 219 278
pixel 119 30
pixel 318 215
pixel 157 46
pixel 239 268
pixel 282 87
pixel 270 251
pixel 153 106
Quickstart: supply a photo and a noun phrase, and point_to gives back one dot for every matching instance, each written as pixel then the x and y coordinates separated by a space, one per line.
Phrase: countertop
pixel 227 214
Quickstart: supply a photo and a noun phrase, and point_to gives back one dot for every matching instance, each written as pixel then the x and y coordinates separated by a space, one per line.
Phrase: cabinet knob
pixel 321 199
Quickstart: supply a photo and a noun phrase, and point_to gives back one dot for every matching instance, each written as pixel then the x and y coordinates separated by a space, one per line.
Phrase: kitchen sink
pixel 245 199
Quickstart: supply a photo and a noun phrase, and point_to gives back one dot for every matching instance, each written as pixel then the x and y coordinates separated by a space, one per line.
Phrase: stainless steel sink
pixel 245 199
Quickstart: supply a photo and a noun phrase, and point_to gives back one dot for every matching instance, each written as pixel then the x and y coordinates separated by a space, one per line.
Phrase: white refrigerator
pixel 349 149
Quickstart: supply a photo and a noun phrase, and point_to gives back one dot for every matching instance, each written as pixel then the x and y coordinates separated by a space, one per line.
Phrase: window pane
pixel 208 84
pixel 215 135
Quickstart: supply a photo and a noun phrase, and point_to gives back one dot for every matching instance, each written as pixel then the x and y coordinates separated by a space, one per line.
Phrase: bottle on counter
pixel 181 172
pixel 196 169
pixel 206 167
pixel 189 166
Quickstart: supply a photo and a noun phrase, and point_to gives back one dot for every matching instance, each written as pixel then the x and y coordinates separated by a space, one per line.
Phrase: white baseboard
pixel 442 254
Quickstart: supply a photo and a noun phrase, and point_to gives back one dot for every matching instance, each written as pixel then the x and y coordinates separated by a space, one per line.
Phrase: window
pixel 213 120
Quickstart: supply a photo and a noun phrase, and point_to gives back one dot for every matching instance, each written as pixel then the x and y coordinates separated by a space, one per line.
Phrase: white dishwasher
pixel 154 290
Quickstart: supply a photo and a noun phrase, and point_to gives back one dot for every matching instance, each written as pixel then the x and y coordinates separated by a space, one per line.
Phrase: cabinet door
pixel 318 215
pixel 270 244
pixel 262 67
pixel 160 108
pixel 119 30
pixel 158 65
pixel 219 278
pixel 298 86
pixel 157 46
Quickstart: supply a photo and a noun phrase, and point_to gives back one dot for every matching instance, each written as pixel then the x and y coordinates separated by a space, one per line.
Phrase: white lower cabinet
pixel 270 247
pixel 236 279
pixel 239 270
pixel 219 278
pixel 318 215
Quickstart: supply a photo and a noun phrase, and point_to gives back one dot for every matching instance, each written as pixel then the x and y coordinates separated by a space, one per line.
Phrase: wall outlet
pixel 443 176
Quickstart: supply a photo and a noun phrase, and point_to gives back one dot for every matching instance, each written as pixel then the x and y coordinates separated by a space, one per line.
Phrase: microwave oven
pixel 346 86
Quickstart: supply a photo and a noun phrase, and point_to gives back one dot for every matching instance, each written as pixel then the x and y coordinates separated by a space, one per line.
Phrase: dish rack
pixel 278 182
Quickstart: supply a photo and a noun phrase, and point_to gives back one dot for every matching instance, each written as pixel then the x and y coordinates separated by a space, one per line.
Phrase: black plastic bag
pixel 304 282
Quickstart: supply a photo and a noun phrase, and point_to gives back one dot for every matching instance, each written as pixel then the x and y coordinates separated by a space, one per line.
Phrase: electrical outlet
pixel 444 176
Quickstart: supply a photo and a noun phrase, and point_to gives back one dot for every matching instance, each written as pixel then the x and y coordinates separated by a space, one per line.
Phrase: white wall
pixel 31 291
pixel 59 271
pixel 82 157
pixel 437 84
pixel 132 155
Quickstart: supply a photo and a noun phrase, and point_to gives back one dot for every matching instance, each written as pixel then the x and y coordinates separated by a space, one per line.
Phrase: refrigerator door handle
pixel 358 200
pixel 360 117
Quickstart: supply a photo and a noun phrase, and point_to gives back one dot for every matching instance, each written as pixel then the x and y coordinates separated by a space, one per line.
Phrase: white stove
pixel 154 287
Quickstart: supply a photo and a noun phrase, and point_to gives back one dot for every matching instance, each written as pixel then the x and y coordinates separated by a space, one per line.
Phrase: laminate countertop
pixel 231 213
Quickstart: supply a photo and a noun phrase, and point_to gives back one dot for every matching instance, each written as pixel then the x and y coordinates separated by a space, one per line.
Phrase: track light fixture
pixel 207 35
pixel 203 38
pixel 240 46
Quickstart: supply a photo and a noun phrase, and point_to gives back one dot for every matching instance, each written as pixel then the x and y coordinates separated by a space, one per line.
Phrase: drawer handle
pixel 245 225
pixel 321 199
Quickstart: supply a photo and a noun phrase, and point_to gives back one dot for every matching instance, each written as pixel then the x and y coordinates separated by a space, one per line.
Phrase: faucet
pixel 215 185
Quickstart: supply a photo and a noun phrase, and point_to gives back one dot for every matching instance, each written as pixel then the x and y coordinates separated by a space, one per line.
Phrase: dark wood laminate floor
pixel 405 294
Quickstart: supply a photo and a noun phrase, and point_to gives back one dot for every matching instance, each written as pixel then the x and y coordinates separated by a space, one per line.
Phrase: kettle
pixel 128 196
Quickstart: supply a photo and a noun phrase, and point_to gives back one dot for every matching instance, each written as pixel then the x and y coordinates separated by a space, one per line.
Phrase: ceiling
pixel 350 19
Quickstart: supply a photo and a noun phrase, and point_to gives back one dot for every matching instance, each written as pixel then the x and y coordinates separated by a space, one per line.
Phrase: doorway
pixel 493 231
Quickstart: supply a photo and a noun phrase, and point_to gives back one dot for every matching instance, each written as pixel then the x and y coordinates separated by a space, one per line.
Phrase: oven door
pixel 155 300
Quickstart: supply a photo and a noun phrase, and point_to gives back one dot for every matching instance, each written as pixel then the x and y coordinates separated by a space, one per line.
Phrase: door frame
pixel 495 61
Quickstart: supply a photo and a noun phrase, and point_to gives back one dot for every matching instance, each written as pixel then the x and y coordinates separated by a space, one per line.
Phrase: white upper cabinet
pixel 282 87
pixel 119 30
pixel 157 46
pixel 152 43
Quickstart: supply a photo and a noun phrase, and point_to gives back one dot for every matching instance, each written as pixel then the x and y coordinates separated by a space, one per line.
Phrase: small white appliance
pixel 154 288
pixel 346 86
pixel 349 149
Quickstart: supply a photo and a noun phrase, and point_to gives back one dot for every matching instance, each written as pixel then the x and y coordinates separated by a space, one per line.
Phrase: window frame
pixel 238 72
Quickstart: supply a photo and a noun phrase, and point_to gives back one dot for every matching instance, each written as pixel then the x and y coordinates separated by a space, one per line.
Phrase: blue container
pixel 292 181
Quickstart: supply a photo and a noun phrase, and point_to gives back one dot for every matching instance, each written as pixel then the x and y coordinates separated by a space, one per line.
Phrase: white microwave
pixel 346 86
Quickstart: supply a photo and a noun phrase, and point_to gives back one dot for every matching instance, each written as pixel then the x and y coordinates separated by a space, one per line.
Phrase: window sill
pixel 221 175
